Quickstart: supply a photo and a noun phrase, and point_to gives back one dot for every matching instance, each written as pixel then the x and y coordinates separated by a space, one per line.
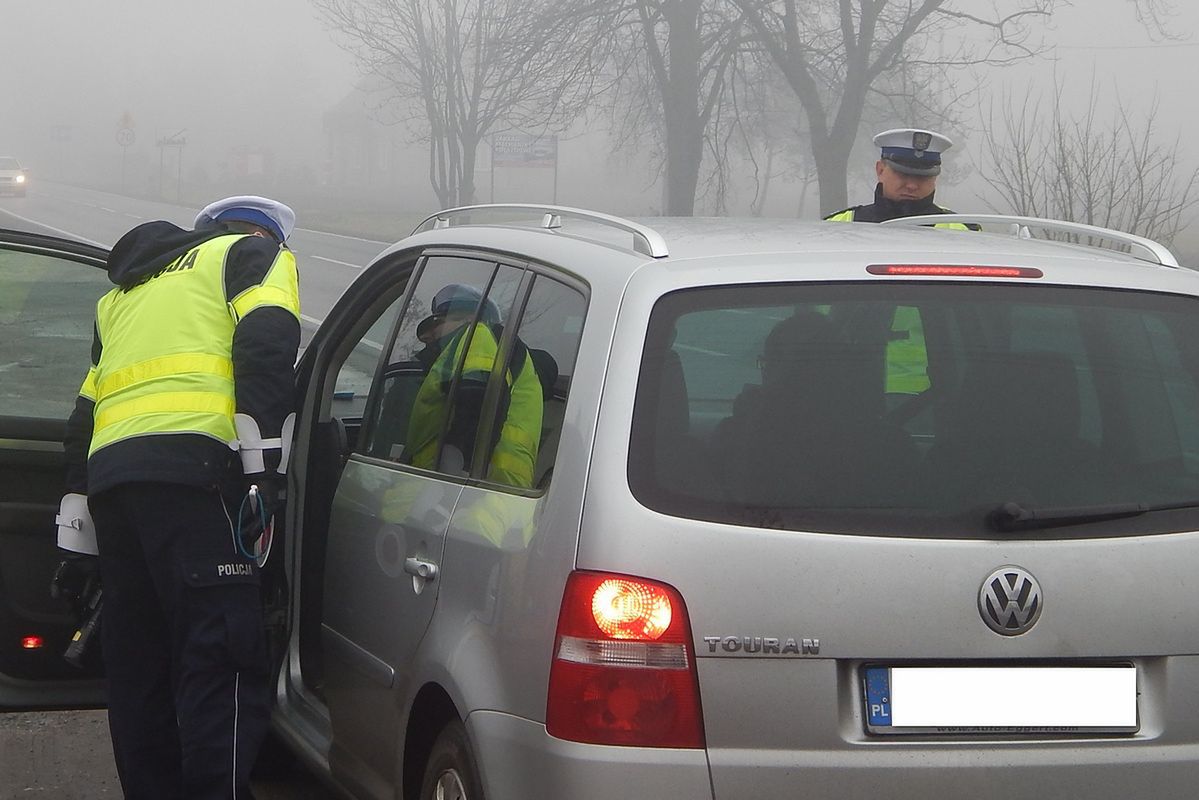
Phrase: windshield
pixel 918 409
pixel 9 163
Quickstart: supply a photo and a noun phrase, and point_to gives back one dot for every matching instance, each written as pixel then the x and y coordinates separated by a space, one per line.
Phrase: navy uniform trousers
pixel 183 642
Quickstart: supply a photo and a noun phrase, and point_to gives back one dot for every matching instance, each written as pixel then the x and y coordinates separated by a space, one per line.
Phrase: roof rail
pixel 646 240
pixel 1155 252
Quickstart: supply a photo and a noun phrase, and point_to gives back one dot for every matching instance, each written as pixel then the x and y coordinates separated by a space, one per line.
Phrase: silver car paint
pixel 780 724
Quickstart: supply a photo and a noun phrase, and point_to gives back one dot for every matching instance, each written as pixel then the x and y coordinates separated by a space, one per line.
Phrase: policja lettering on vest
pixel 192 360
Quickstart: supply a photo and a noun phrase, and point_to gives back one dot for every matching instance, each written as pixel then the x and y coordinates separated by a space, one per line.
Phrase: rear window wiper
pixel 1012 516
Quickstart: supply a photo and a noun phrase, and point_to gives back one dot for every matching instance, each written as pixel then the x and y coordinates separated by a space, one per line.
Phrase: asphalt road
pixel 67 755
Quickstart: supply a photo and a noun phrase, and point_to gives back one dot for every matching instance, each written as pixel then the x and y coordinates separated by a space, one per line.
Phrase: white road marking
pixel 52 228
pixel 341 236
pixel 335 261
pixel 701 350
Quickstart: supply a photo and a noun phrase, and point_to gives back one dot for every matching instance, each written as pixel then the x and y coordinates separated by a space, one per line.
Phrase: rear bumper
pixel 779 729
pixel 520 761
pixel 1096 771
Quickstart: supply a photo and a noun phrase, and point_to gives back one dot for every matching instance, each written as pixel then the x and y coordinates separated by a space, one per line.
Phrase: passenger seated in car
pixel 811 435
pixel 517 430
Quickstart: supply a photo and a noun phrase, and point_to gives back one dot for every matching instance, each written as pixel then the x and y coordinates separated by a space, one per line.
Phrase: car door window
pixel 48 292
pixel 47 309
pixel 527 420
pixel 430 390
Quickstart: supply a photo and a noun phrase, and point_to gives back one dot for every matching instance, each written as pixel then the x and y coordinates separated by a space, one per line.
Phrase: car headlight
pixel 20 179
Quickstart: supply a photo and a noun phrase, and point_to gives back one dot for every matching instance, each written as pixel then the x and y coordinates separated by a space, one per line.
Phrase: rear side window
pixel 918 409
pixel 529 416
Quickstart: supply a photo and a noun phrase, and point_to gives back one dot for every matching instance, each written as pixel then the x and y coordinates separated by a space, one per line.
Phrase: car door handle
pixel 419 568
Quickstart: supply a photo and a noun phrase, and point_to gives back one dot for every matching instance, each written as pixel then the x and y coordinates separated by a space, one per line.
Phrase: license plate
pixel 1004 700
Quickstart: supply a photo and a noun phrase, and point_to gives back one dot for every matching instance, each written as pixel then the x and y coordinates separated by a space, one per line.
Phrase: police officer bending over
pixel 177 448
pixel 907 171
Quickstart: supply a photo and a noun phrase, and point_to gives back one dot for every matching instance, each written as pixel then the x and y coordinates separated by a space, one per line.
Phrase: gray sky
pixel 256 72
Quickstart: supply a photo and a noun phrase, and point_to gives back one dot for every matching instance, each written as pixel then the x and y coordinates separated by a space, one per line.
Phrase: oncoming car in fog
pixel 710 509
pixel 13 179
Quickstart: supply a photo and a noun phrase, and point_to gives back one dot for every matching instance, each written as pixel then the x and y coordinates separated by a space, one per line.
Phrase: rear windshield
pixel 920 408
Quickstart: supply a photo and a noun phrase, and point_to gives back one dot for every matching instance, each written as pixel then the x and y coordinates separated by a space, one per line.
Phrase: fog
pixel 242 96
pixel 228 76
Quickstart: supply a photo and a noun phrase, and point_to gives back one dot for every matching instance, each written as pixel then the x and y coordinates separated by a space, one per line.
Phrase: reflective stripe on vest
pixel 166 365
pixel 280 288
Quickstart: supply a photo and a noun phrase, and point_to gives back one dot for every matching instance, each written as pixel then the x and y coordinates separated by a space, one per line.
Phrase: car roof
pixel 600 254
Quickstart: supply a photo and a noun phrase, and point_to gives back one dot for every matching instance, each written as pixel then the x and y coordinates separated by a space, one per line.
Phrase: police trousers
pixel 183 643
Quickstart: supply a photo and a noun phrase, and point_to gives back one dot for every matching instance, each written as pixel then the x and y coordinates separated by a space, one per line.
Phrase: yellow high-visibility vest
pixel 166 366
pixel 847 216
pixel 515 456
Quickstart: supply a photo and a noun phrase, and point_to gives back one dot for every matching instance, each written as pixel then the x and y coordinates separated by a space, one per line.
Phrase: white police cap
pixel 913 151
pixel 276 217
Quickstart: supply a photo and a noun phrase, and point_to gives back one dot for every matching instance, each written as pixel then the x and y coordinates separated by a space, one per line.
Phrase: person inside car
pixel 465 329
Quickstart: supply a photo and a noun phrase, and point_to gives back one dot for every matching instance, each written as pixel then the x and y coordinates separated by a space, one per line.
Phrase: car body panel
pixel 519 760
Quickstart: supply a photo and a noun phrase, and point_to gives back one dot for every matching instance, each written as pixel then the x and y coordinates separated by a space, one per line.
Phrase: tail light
pixel 623 671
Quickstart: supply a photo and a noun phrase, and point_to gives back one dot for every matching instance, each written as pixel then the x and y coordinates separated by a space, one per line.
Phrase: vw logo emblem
pixel 1010 601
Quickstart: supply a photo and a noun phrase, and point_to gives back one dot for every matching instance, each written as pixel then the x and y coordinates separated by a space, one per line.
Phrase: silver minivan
pixel 810 510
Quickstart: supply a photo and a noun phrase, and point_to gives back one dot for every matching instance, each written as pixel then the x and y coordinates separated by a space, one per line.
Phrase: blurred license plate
pixel 966 700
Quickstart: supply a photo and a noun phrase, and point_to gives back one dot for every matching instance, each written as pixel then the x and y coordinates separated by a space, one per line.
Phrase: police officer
pixel 907 171
pixel 464 328
pixel 177 448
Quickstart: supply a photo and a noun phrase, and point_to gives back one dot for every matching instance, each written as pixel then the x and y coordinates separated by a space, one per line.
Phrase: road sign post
pixel 176 141
pixel 125 138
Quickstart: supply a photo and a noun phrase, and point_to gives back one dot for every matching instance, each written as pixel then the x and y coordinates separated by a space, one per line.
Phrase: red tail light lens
pixel 954 271
pixel 31 642
pixel 623 670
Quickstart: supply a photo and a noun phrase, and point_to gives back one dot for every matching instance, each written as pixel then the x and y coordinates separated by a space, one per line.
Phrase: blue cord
pixel 237 540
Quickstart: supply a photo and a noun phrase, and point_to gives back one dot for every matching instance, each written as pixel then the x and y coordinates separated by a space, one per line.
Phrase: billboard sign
pixel 514 149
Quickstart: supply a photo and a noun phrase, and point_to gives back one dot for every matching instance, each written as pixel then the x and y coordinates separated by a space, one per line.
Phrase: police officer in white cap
pixel 176 454
pixel 907 170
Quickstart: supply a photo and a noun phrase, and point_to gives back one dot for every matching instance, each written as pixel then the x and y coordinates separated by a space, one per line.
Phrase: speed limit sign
pixel 125 137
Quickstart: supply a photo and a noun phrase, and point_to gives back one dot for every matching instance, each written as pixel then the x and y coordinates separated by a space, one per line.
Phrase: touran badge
pixel 1010 601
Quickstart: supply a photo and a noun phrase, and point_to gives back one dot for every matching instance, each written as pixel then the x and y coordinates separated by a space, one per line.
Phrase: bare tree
pixel 672 61
pixel 834 53
pixel 1114 174
pixel 462 69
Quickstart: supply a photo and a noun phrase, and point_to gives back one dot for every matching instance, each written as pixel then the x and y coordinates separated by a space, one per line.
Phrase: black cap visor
pixel 910 166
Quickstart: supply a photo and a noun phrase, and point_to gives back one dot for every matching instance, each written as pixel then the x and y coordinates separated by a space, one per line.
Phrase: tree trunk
pixel 466 187
pixel 832 175
pixel 684 150
pixel 679 83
